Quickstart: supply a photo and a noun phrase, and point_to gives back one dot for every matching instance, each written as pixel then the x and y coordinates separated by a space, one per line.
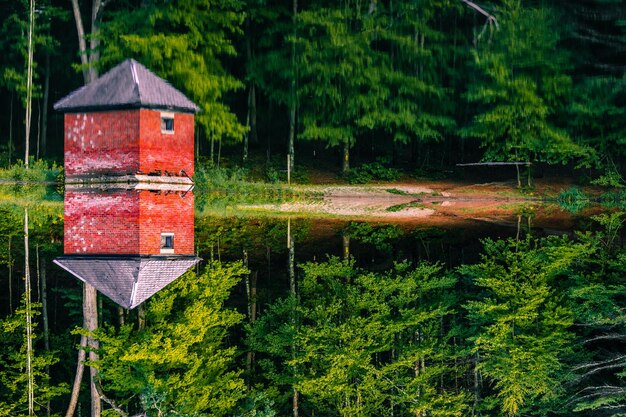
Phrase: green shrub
pixel 276 171
pixel 573 200
pixel 37 172
pixel 374 171
pixel 610 179
pixel 431 173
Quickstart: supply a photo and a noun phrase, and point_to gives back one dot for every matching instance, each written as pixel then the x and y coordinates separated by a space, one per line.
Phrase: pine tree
pixel 178 362
pixel 522 324
pixel 14 382
pixel 520 87
pixel 186 43
pixel 367 344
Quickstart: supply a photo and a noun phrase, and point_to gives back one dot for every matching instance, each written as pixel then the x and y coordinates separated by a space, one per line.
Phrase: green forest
pixel 422 84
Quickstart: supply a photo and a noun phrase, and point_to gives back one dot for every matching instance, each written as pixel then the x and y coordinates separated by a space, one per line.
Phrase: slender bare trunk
pixel 88 58
pixel 120 316
pixel 476 385
pixel 29 81
pixel 94 39
pixel 29 323
pixel 44 312
pixel 11 130
pixel 251 294
pixel 292 89
pixel 90 318
pixel 10 277
pixel 82 45
pixel 245 136
pixel 141 316
pixel 254 136
pixel 38 129
pixel 219 151
pixel 251 135
pixel 345 166
pixel 44 110
pixel 292 288
pixel 80 367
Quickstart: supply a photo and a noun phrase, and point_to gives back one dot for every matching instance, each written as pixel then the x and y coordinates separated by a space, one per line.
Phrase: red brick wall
pixel 168 153
pixel 101 223
pixel 102 142
pixel 166 213
pixel 127 222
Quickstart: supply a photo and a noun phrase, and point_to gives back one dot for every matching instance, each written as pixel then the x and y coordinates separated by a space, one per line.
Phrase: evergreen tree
pixel 178 363
pixel 520 87
pixel 14 382
pixel 185 42
pixel 597 384
pixel 367 344
pixel 521 322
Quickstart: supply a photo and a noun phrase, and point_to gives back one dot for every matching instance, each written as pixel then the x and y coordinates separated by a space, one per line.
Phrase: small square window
pixel 167 242
pixel 167 122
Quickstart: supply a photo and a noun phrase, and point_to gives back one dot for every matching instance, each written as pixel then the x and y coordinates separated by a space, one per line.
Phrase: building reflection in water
pixel 128 243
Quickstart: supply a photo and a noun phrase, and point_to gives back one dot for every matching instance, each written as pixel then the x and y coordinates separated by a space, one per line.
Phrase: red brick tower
pixel 128 244
pixel 129 122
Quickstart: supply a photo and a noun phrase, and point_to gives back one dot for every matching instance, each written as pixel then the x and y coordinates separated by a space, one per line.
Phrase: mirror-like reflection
pixel 128 243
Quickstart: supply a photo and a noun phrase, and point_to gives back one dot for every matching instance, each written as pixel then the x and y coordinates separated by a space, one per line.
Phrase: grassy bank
pixel 39 171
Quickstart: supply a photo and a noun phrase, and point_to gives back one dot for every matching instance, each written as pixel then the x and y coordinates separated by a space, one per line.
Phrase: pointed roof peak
pixel 127 280
pixel 129 85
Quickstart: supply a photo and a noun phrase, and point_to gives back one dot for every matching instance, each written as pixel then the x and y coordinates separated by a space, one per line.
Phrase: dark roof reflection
pixel 127 280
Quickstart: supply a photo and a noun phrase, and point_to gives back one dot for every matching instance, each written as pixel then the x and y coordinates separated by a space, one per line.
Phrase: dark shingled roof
pixel 127 280
pixel 130 85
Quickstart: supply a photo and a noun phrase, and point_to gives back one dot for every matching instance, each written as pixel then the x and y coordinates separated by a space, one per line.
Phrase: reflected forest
pixel 355 208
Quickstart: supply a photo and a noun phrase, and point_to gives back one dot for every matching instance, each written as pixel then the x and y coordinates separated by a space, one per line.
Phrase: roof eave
pixel 132 106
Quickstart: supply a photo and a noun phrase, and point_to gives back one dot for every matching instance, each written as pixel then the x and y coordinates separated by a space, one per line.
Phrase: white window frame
pixel 164 116
pixel 167 250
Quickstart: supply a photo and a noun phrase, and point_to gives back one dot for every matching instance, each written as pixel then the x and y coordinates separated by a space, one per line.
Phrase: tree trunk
pixel 80 367
pixel 292 289
pixel 251 294
pixel 29 324
pixel 254 136
pixel 345 166
pixel 88 59
pixel 251 136
pixel 292 89
pixel 82 45
pixel 29 81
pixel 141 316
pixel 11 130
pixel 90 318
pixel 120 316
pixel 94 40
pixel 44 313
pixel 38 129
pixel 44 111
pixel 346 246
pixel 10 278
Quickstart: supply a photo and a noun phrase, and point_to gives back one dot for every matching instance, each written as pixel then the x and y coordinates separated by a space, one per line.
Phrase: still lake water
pixel 110 227
pixel 132 243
